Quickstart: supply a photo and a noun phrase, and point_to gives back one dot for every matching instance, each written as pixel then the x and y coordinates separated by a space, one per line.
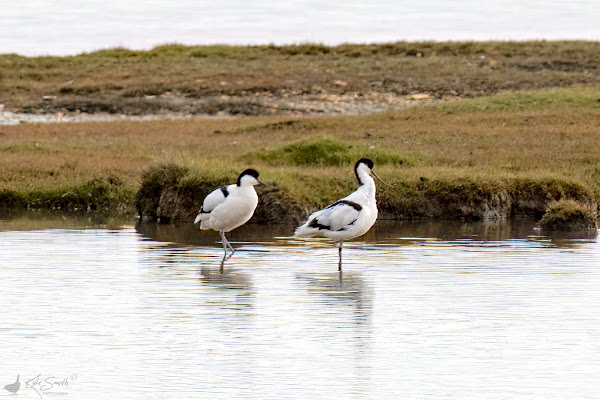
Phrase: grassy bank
pixel 309 78
pixel 509 154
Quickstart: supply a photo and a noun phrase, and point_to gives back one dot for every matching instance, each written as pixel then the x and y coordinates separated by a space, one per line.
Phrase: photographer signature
pixel 49 385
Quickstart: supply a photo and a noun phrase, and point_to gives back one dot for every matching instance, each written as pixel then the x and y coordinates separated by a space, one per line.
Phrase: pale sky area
pixel 63 27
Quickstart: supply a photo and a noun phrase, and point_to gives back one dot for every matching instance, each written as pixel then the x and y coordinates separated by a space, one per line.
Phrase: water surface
pixel 428 311
pixel 37 27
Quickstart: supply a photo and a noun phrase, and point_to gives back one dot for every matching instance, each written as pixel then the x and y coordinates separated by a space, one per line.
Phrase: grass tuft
pixel 324 151
pixel 569 215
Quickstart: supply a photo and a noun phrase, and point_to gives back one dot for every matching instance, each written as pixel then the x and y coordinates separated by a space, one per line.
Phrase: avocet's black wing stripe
pixel 348 226
pixel 337 216
pixel 215 198
pixel 315 224
pixel 352 204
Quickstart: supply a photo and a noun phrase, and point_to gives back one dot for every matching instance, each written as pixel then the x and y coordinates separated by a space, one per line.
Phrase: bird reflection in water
pixel 344 300
pixel 229 283
pixel 349 289
pixel 230 315
pixel 230 280
pixel 225 258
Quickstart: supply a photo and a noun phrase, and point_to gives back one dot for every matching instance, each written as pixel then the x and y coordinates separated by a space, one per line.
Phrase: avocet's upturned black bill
pixel 228 207
pixel 349 217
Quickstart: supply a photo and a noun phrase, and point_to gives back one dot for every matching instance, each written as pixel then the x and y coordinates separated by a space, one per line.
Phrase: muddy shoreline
pixel 177 107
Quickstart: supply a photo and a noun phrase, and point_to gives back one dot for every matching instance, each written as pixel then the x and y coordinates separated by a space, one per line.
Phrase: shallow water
pixel 421 310
pixel 37 27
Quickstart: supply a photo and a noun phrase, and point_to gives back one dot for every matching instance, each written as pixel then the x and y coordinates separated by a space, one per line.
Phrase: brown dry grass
pixel 183 77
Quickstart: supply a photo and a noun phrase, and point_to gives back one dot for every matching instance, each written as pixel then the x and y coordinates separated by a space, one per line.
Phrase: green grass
pixel 547 99
pixel 323 151
pixel 514 156
pixel 107 195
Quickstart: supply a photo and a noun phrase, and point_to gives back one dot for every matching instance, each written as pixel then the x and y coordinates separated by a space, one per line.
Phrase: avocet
pixel 349 217
pixel 229 207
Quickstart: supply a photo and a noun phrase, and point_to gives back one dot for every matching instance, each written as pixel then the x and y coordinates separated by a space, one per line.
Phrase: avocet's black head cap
pixel 249 171
pixel 367 161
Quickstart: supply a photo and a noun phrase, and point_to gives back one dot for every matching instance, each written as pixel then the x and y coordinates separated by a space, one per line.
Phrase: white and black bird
pixel 13 387
pixel 349 217
pixel 230 206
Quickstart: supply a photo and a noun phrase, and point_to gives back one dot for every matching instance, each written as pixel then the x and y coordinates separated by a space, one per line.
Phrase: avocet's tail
pixel 203 218
pixel 305 231
pixel 309 228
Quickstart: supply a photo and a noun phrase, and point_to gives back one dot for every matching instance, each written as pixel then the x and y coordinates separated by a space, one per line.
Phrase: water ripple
pixel 132 315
